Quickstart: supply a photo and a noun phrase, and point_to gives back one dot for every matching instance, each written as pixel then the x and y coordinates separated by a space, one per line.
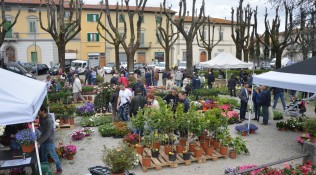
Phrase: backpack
pixel 188 87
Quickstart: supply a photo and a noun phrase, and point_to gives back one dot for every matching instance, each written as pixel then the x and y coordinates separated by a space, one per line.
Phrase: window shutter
pixel 7 25
pixel 88 37
pixel 97 37
pixel 96 17
pixel 89 17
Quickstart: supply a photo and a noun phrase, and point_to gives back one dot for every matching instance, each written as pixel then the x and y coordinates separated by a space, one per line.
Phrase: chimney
pixel 188 13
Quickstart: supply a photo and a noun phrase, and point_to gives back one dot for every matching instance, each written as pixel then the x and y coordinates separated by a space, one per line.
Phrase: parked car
pixel 41 69
pixel 151 65
pixel 28 66
pixel 138 65
pixel 182 65
pixel 161 66
pixel 200 66
pixel 124 64
pixel 54 69
pixel 267 67
pixel 108 68
pixel 17 68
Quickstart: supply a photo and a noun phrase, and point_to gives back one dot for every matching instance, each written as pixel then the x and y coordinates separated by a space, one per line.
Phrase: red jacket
pixel 124 81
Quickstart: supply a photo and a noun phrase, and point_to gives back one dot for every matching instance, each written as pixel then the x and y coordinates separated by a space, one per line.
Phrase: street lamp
pixel 35 32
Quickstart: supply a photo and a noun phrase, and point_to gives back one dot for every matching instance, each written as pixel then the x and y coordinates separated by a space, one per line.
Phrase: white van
pixel 284 62
pixel 81 64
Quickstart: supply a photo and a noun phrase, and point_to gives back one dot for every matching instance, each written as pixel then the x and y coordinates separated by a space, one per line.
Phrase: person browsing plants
pixel 123 102
pixel 46 141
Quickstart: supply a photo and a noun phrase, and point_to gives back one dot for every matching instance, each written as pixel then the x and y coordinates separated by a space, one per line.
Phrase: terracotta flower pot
pixel 72 121
pixel 183 141
pixel 202 137
pixel 203 144
pixel 28 148
pixel 232 154
pixel 192 146
pixel 50 160
pixel 209 150
pixel 179 148
pixel 157 145
pixel 244 133
pixel 281 129
pixel 146 161
pixel 223 150
pixel 168 148
pixel 252 131
pixel 70 157
pixel 295 130
pixel 216 144
pixel 313 139
pixel 140 149
pixel 198 152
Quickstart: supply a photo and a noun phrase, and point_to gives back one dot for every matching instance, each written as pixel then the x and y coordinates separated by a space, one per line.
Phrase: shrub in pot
pixel 118 164
pixel 310 126
pixel 239 146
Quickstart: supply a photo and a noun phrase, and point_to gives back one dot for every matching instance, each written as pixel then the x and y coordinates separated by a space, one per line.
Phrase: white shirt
pixel 246 92
pixel 48 83
pixel 76 87
pixel 154 104
pixel 125 96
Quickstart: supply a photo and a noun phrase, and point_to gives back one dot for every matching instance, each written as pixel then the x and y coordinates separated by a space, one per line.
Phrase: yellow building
pixel 27 42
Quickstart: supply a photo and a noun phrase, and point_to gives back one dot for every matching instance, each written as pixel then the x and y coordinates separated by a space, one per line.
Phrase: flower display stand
pixel 163 159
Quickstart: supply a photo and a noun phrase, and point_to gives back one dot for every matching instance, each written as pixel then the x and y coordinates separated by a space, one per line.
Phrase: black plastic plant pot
pixel 186 156
pixel 154 154
pixel 173 157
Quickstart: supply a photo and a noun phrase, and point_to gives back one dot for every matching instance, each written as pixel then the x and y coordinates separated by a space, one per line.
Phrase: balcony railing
pixel 145 45
pixel 11 36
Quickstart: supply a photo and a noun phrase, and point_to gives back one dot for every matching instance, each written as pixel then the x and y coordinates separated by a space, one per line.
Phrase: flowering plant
pixel 87 131
pixel 2 128
pixel 26 136
pixel 131 138
pixel 230 114
pixel 225 107
pixel 241 128
pixel 86 110
pixel 69 150
pixel 77 135
pixel 302 138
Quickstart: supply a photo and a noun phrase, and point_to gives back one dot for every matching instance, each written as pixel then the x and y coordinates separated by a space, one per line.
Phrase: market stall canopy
pixel 300 76
pixel 226 61
pixel 20 98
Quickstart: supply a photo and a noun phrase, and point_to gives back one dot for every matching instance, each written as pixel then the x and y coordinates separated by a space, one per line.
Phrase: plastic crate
pixel 100 170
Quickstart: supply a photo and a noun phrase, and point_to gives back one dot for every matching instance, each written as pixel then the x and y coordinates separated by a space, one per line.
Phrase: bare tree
pixel 5 25
pixel 115 37
pixel 208 43
pixel 181 24
pixel 241 29
pixel 279 41
pixel 166 37
pixel 62 29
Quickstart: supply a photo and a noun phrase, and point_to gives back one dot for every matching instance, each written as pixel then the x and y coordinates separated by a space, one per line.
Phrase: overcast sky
pixel 214 8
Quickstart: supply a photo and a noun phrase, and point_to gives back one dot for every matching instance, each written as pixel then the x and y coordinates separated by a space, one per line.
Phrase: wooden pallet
pixel 163 159
pixel 66 126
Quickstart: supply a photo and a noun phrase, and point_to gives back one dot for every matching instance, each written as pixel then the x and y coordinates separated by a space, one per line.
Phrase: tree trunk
pixel 167 50
pixel 238 52
pixel 117 56
pixel 61 55
pixel 130 62
pixel 209 54
pixel 189 56
pixel 246 55
pixel 278 55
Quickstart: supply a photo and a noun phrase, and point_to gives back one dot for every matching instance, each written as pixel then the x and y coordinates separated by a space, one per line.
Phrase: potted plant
pixel 252 128
pixel 182 119
pixel 280 125
pixel 186 155
pixel 120 159
pixel 242 129
pixel 211 124
pixel 239 146
pixel 198 151
pixel 172 156
pixel 310 126
pixel 69 151
pixel 225 141
pixel 26 138
pixel 138 122
pixel 77 135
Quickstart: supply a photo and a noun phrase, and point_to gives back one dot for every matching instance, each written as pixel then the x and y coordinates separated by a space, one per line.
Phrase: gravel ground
pixel 267 145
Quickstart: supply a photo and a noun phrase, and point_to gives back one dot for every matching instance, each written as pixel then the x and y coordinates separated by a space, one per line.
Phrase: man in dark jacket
pixel 184 101
pixel 232 86
pixel 46 140
pixel 114 80
pixel 196 82
pixel 138 101
pixel 139 87
pixel 265 101
pixel 210 79
pixel 113 101
pixel 279 93
pixel 172 98
pixel 243 96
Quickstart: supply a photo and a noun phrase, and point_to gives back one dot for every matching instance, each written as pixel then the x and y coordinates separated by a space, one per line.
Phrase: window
pixel 221 36
pixel 34 57
pixel 158 19
pixel 142 39
pixel 67 14
pixel 122 18
pixel 184 56
pixel 142 18
pixel 7 8
pixel 121 34
pixel 32 10
pixel 32 26
pixel 92 17
pixel 93 37
pixel 9 32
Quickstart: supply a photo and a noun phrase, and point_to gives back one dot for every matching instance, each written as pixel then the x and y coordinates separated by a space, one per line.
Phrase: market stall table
pixel 6 155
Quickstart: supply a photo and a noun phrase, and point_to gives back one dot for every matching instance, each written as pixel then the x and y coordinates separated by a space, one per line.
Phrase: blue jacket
pixel 196 83
pixel 265 99
pixel 186 105
pixel 256 98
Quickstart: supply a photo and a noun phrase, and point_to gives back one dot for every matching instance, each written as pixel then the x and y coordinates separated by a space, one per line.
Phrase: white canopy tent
pixel 20 99
pixel 226 61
